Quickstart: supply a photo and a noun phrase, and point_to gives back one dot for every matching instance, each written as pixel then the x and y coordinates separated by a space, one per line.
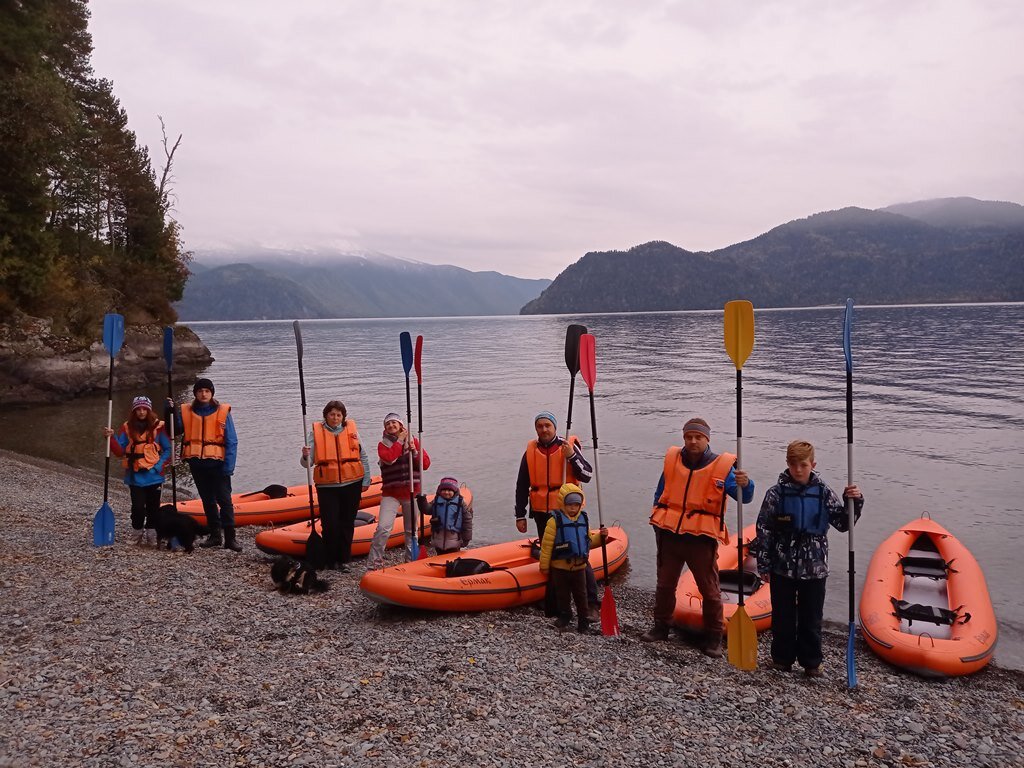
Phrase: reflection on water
pixel 938 410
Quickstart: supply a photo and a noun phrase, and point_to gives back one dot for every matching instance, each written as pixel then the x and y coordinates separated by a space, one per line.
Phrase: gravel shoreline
pixel 125 657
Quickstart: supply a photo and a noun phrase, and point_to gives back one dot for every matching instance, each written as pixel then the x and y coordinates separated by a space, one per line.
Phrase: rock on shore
pixel 38 366
pixel 123 656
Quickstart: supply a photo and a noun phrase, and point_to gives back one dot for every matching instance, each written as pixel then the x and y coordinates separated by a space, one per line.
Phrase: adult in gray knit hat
pixel 689 523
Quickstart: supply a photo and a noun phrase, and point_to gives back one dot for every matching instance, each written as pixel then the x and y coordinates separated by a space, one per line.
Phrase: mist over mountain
pixel 950 250
pixel 275 285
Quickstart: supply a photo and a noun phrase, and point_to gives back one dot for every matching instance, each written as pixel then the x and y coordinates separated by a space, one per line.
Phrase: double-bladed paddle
pixel 405 341
pixel 588 367
pixel 103 522
pixel 739 341
pixel 421 500
pixel 169 361
pixel 851 669
pixel 316 555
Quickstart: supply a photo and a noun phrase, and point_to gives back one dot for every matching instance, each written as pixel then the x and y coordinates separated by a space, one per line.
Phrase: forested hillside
pixel 953 250
pixel 84 217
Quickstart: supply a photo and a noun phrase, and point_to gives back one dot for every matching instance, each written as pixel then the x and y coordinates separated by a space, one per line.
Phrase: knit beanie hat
pixel 142 402
pixel 394 417
pixel 202 384
pixel 546 415
pixel 570 493
pixel 697 425
pixel 448 483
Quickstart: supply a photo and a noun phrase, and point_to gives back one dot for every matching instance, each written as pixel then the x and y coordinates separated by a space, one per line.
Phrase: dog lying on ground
pixel 172 527
pixel 293 576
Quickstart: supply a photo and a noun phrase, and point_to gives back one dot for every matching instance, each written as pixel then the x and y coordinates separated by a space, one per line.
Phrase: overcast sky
pixel 517 136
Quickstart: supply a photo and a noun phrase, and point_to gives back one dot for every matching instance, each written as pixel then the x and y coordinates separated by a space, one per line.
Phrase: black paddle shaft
pixel 302 395
pixel 174 479
pixel 600 521
pixel 850 521
pixel 739 491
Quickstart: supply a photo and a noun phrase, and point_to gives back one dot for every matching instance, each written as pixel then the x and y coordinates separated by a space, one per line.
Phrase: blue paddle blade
pixel 847 325
pixel 406 341
pixel 851 668
pixel 169 347
pixel 113 333
pixel 415 549
pixel 103 526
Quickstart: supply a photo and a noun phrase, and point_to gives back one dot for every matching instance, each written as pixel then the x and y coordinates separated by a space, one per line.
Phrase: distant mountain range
pixel 282 285
pixel 947 250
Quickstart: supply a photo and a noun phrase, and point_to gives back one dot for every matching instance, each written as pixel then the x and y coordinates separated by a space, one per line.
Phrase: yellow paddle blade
pixel 739 330
pixel 742 640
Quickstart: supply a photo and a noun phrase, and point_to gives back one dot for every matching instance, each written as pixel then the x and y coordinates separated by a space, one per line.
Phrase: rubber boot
pixel 656 633
pixel 712 646
pixel 230 542
pixel 213 540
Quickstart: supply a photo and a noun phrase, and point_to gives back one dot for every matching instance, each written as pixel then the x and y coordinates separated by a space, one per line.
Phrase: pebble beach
pixel 128 656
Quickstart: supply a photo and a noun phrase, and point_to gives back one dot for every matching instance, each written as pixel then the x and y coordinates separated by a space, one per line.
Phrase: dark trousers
pixel 569 587
pixel 797 607
pixel 676 550
pixel 541 519
pixel 338 507
pixel 215 490
pixel 145 505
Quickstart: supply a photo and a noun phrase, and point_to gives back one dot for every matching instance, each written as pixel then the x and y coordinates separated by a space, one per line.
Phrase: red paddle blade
pixel 418 359
pixel 424 554
pixel 588 360
pixel 609 615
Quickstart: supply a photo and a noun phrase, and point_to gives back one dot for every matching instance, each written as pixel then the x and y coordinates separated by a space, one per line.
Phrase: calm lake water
pixel 939 414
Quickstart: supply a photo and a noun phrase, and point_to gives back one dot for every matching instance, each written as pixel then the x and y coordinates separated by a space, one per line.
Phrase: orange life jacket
pixel 547 475
pixel 336 454
pixel 203 436
pixel 693 500
pixel 142 452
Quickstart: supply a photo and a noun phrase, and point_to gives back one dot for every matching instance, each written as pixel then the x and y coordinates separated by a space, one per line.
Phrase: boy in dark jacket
pixel 792 530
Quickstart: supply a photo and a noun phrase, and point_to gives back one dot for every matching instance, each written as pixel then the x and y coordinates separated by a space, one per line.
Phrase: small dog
pixel 172 527
pixel 293 576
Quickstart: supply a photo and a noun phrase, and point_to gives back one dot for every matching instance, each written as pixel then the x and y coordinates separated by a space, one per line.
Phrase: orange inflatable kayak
pixel 275 504
pixel 514 577
pixel 757 598
pixel 291 539
pixel 925 605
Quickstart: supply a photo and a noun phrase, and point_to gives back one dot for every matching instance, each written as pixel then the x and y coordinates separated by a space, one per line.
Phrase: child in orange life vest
pixel 210 446
pixel 145 450
pixel 451 518
pixel 340 475
pixel 564 554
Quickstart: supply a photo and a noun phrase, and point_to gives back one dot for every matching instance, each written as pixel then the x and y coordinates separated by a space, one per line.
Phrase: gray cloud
pixel 518 136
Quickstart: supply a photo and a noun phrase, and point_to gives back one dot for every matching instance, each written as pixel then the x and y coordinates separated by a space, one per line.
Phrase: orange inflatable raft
pixel 925 605
pixel 291 539
pixel 757 599
pixel 275 504
pixel 514 578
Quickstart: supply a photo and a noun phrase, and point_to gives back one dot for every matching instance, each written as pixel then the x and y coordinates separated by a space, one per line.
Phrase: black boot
pixel 658 632
pixel 229 540
pixel 213 540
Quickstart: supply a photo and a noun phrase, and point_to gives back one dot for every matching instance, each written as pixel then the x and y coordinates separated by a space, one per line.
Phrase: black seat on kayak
pixel 911 612
pixel 364 518
pixel 932 566
pixel 466 566
pixel 730 580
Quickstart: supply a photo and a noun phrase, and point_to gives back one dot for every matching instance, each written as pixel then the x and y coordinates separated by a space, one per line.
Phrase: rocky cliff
pixel 40 366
